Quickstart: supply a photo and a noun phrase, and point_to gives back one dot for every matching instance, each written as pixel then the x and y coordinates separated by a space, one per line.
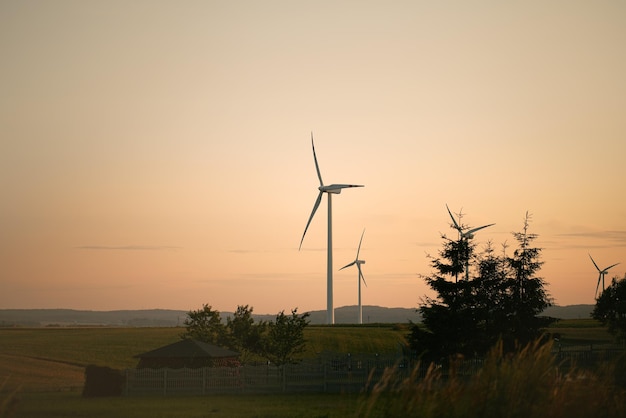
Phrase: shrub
pixel 103 381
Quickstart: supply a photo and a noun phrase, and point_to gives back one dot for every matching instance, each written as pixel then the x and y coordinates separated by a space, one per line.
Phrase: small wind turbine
pixel 465 235
pixel 602 273
pixel 329 190
pixel 358 266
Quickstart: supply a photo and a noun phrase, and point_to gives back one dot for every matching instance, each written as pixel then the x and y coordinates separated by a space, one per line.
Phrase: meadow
pixel 44 368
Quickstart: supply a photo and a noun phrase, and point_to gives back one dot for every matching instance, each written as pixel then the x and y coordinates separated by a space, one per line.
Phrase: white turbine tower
pixel 329 190
pixel 602 273
pixel 465 235
pixel 360 277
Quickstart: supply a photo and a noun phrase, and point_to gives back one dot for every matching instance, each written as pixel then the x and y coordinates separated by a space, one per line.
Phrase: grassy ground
pixel 46 367
pixel 582 332
pixel 65 404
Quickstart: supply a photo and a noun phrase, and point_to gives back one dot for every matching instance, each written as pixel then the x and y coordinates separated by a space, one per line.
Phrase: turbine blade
pixel 456 226
pixel 594 263
pixel 317 204
pixel 361 277
pixel 598 285
pixel 606 269
pixel 317 167
pixel 471 231
pixel 348 265
pixel 359 249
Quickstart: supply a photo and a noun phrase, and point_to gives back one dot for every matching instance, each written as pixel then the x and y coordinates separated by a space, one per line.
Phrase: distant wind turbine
pixel 329 190
pixel 360 277
pixel 602 273
pixel 465 235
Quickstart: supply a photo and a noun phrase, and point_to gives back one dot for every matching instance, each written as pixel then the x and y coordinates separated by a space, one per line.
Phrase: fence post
pixel 244 385
pixel 204 380
pixel 164 381
pixel 284 369
pixel 325 379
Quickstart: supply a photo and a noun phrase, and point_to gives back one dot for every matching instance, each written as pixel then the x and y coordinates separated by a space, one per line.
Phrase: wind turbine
pixel 602 273
pixel 358 266
pixel 465 235
pixel 329 190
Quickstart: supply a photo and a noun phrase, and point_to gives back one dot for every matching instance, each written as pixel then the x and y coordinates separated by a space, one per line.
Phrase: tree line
pixel 280 341
pixel 499 299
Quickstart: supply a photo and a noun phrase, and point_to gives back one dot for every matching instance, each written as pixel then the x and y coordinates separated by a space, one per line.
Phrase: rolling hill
pixel 172 318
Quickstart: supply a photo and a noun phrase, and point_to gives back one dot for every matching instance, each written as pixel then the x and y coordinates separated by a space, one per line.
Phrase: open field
pixel 46 365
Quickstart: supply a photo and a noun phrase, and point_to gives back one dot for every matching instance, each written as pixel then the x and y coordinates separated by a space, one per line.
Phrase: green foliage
pixel 205 325
pixel 610 308
pixel 524 383
pixel 500 300
pixel 280 342
pixel 285 338
pixel 244 335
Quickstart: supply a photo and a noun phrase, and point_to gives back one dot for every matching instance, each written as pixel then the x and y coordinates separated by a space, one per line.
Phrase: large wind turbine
pixel 465 235
pixel 329 190
pixel 602 273
pixel 358 266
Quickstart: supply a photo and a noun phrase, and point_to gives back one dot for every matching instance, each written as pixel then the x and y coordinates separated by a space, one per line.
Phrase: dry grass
pixel 528 383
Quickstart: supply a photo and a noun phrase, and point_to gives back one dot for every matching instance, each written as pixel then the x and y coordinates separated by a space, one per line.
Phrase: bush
pixel 103 381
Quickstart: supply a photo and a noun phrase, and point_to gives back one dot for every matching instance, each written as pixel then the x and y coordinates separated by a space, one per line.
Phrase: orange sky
pixel 157 154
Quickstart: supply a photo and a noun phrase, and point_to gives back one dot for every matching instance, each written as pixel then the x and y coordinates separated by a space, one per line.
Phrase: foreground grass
pixel 529 383
pixel 72 404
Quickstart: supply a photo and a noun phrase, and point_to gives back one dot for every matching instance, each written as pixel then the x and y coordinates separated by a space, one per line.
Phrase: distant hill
pixel 172 318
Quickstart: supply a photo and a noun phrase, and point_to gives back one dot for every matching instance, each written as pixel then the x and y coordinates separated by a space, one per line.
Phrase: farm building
pixel 188 353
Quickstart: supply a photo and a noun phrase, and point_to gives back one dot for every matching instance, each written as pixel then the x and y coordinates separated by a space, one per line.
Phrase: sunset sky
pixel 157 154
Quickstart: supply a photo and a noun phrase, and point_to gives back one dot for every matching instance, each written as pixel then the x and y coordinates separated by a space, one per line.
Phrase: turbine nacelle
pixel 336 188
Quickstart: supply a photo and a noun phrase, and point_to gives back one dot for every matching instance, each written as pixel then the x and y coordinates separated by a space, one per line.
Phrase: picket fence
pixel 341 375
pixel 330 377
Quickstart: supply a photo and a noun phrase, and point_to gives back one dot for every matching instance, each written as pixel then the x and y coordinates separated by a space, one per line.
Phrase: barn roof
pixel 189 348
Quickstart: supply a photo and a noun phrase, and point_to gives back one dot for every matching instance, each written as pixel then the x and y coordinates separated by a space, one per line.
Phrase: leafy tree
pixel 244 335
pixel 205 325
pixel 285 337
pixel 610 308
pixel 500 298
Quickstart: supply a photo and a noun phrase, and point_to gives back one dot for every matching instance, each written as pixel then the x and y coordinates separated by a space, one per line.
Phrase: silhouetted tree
pixel 530 297
pixel 501 299
pixel 610 308
pixel 205 325
pixel 244 334
pixel 285 337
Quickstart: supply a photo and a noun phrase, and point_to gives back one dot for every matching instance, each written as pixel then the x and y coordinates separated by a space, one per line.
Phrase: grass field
pixel 46 367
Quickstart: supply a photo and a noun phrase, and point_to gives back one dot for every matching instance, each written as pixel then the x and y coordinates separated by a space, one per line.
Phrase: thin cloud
pixel 129 247
pixel 615 236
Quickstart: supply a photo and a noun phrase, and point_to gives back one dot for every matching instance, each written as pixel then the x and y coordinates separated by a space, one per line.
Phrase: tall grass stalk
pixel 526 383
